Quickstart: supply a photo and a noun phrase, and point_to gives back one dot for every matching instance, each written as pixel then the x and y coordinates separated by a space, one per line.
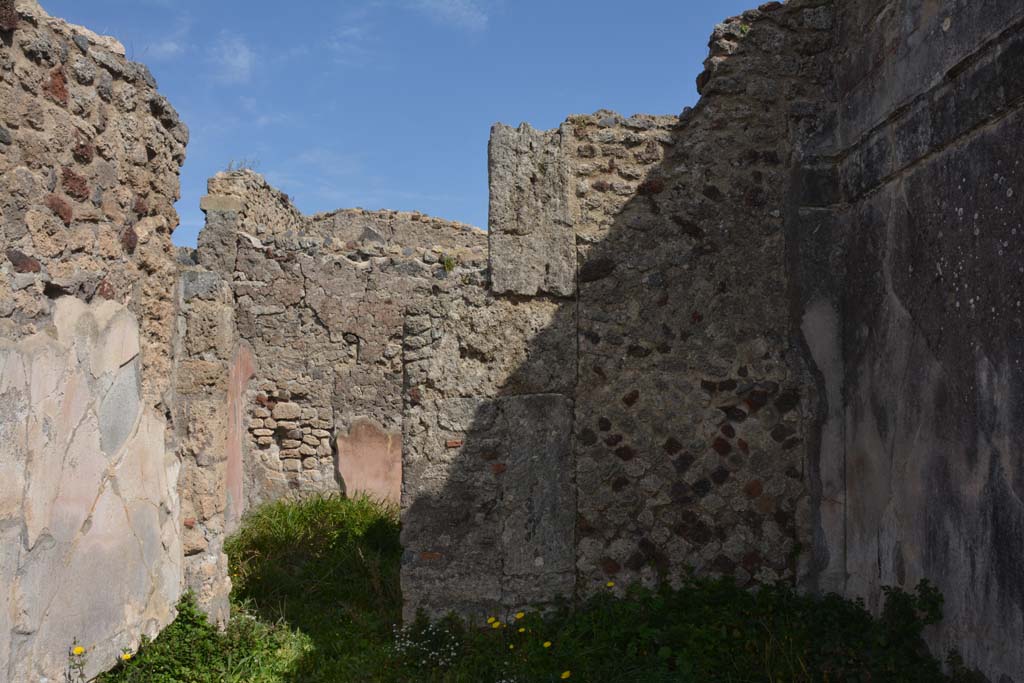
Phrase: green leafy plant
pixel 316 600
pixel 191 650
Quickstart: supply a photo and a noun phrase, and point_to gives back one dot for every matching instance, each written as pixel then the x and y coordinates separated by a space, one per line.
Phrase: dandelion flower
pixel 126 656
pixel 496 624
pixel 610 584
pixel 490 620
pixel 511 647
pixel 78 651
pixel 522 630
pixel 520 615
pixel 547 643
pixel 566 674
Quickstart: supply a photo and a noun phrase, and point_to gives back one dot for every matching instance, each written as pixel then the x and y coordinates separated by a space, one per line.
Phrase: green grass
pixel 317 600
pixel 327 567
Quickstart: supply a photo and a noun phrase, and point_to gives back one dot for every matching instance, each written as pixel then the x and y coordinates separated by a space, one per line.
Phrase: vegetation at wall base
pixel 317 600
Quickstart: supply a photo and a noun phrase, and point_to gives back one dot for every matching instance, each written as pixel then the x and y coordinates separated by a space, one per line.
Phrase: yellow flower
pixel 490 620
pixel 547 643
pixel 522 630
pixel 511 647
pixel 566 674
pixel 496 624
pixel 519 615
pixel 126 656
pixel 610 584
pixel 78 651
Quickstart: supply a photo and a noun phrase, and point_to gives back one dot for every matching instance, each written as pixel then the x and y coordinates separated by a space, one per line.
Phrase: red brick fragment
pixel 756 400
pixel 721 446
pixel 430 556
pixel 8 15
pixel 61 208
pixel 56 86
pixel 140 207
pixel 651 186
pixel 751 561
pixel 453 443
pixel 105 290
pixel 625 453
pixel 84 152
pixel 22 262
pixel 74 184
pixel 129 239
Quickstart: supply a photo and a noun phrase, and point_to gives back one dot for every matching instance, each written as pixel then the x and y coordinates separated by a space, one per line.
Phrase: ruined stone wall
pixel 320 301
pixel 90 525
pixel 912 222
pixel 210 383
pixel 624 402
pixel 775 337
pixel 690 419
pixel 488 505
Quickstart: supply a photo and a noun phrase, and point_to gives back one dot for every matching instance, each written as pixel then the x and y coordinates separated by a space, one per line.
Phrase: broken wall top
pixel 89 160
pixel 257 209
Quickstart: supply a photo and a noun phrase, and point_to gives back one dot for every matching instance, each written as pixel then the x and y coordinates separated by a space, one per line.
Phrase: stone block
pixel 532 242
pixel 287 411
pixel 221 204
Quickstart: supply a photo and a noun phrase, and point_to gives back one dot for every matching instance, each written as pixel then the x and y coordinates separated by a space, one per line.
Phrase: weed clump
pixel 316 599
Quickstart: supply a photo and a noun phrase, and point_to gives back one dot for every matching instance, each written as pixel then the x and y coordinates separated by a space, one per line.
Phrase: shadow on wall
pixel 642 414
pixel 634 397
pixel 932 371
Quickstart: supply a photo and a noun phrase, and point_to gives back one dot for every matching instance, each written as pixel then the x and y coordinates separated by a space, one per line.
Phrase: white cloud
pixel 165 49
pixel 328 163
pixel 172 44
pixel 233 59
pixel 356 42
pixel 463 14
pixel 349 45
pixel 351 34
pixel 264 120
pixel 318 173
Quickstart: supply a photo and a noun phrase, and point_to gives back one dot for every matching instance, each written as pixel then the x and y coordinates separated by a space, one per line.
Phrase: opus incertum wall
pixel 90 513
pixel 623 399
pixel 775 337
pixel 319 300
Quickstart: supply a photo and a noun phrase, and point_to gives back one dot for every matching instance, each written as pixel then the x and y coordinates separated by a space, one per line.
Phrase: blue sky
pixel 388 103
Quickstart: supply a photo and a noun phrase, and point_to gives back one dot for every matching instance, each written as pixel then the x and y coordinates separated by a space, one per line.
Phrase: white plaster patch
pixel 88 491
